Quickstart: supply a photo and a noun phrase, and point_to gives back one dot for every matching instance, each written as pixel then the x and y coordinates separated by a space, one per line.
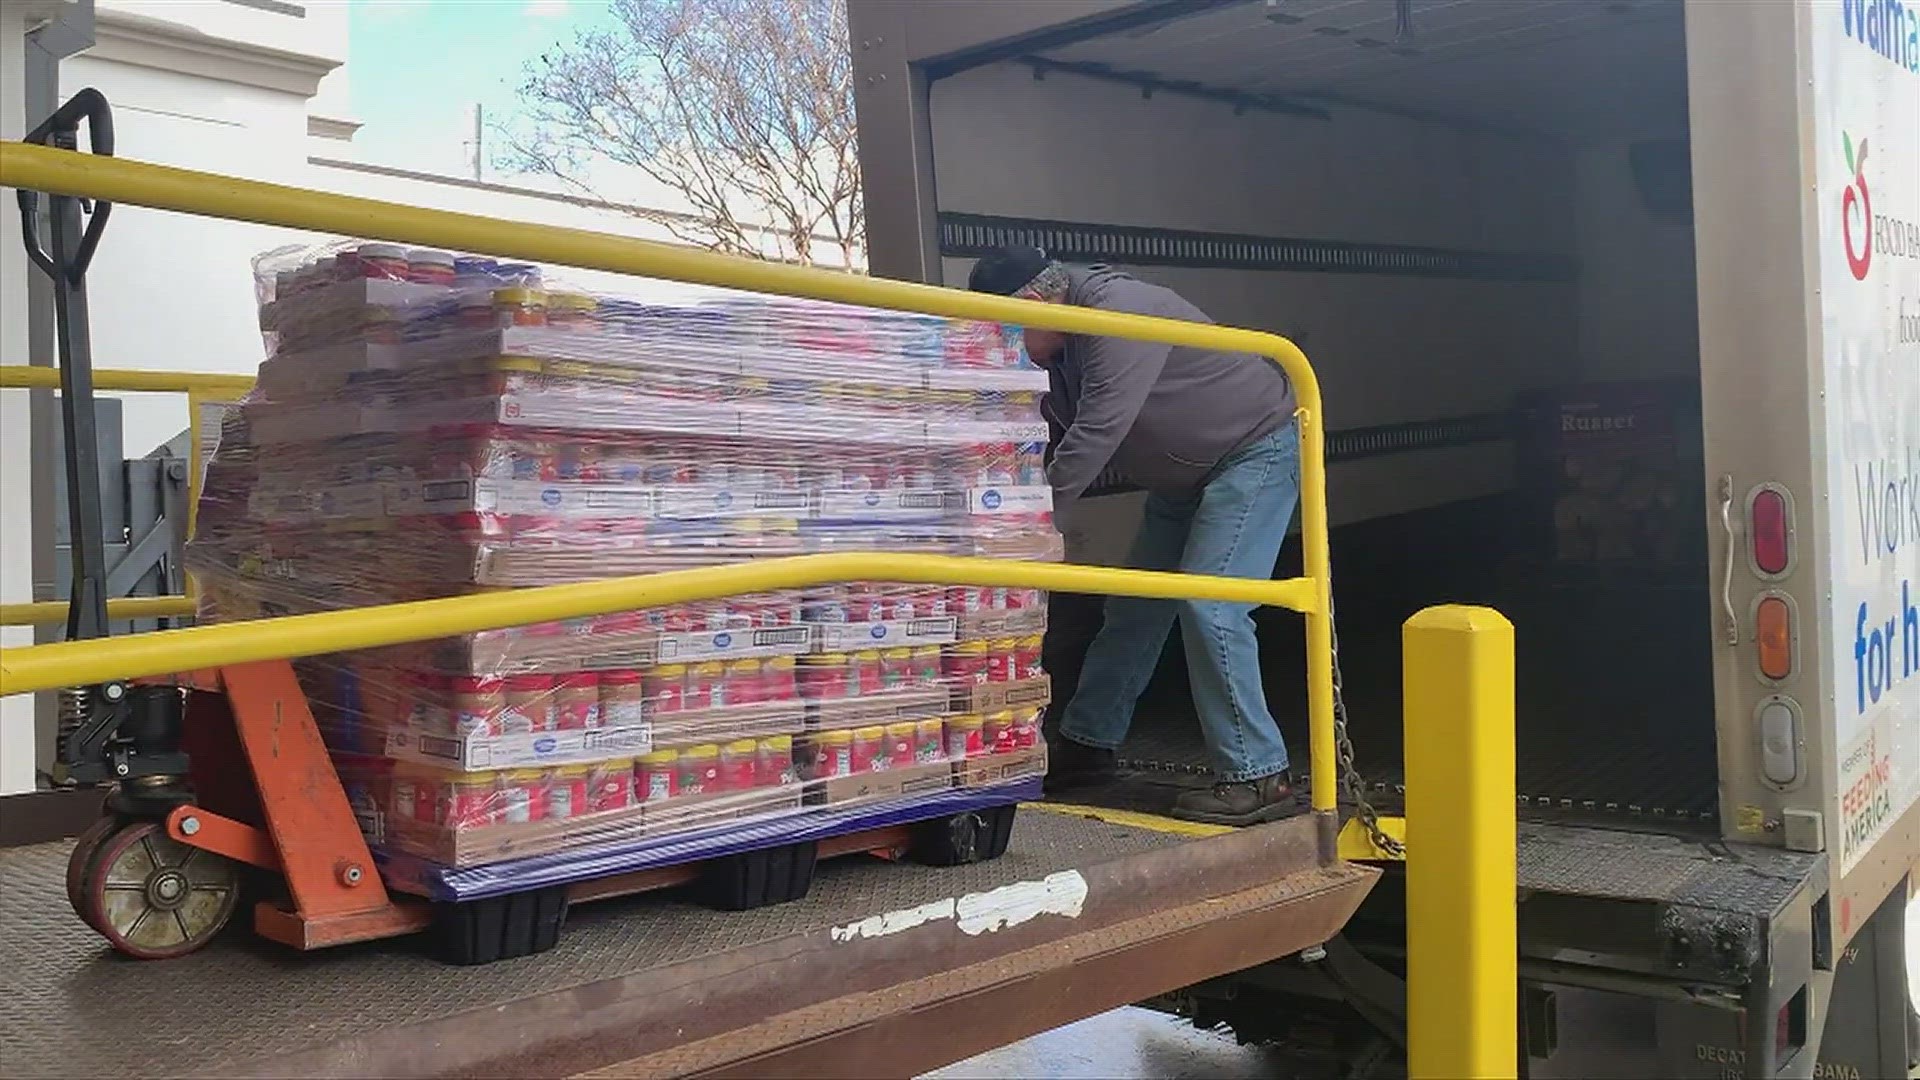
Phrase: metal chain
pixel 1350 778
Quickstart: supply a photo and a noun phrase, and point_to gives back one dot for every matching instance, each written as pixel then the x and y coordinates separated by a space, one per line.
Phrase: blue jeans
pixel 1233 529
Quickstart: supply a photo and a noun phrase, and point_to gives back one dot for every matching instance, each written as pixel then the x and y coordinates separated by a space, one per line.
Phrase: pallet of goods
pixel 429 425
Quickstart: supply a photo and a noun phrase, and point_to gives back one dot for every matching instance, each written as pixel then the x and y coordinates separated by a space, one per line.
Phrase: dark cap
pixel 1004 271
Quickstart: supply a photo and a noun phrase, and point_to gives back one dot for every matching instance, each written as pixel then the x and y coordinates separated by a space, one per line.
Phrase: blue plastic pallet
pixel 415 875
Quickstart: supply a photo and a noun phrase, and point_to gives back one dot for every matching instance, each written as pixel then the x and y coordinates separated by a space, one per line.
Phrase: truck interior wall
pixel 1388 348
pixel 1639 308
pixel 1604 670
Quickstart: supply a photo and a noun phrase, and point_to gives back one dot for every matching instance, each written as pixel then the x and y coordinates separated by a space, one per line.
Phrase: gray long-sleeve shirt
pixel 1160 416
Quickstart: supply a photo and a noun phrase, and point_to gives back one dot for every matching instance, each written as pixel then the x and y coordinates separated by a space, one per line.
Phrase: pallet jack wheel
pixel 757 879
pixel 969 837
pixel 152 897
pixel 472 932
pixel 85 847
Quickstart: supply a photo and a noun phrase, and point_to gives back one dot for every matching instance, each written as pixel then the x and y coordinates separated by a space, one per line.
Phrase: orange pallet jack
pixel 232 772
pixel 265 795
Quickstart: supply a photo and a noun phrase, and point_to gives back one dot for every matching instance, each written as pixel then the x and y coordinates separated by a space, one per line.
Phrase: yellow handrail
pixel 65 172
pixel 22 377
pixel 127 607
pixel 43 667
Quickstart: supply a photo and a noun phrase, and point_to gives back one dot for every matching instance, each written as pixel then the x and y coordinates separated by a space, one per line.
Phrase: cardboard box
pixel 537 749
pixel 992 769
pixel 514 651
pixel 512 840
pixel 732 722
pixel 882 784
pixel 699 811
pixel 1017 623
pixel 913 704
pixel 1002 696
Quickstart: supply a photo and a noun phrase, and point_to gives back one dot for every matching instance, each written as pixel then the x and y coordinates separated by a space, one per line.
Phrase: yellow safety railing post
pixel 1462 936
pixel 133 183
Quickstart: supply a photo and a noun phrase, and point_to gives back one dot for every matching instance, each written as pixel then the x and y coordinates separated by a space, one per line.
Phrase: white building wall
pixel 219 87
pixel 16 478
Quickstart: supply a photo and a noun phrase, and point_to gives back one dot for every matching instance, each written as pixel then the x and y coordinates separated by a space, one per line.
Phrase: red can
pixel 776 679
pixel 827 677
pixel 929 741
pixel 417 798
pixel 666 688
pixel 677 620
pixel 568 792
pixel 707 686
pixel 968 600
pixel 523 796
pixel 656 776
pixel 869 672
pixel 998 733
pixel 966 664
pixel 862 604
pixel 473 800
pixel 578 701
pixel 1000 660
pixel 869 749
pixel 745 683
pixel 1026 730
pixel 530 703
pixel 774 760
pixel 740 765
pixel 900 744
pixel 610 785
pixel 1027 655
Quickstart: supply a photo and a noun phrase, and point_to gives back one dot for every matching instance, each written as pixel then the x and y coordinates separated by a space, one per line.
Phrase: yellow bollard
pixel 1462 938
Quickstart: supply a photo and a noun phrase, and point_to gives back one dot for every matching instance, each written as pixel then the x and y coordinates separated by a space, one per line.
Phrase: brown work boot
pixel 1072 766
pixel 1245 802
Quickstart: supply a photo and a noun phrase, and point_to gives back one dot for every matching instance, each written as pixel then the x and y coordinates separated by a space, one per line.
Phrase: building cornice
pixel 169 46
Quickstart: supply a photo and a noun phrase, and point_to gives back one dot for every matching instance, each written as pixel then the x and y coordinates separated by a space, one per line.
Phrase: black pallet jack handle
pixel 124 733
pixel 74 241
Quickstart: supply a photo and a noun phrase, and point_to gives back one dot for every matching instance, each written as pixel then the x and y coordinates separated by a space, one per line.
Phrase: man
pixel 1211 437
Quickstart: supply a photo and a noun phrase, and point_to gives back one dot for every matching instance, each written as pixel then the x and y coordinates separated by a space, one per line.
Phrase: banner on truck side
pixel 1866 85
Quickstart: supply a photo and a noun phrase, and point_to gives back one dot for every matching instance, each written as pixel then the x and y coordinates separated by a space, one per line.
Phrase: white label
pixel 842 637
pixel 514 749
pixel 882 505
pixel 994 501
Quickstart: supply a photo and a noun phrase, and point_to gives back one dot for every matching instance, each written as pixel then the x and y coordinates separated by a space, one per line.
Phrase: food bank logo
pixel 1857 200
pixel 1863 233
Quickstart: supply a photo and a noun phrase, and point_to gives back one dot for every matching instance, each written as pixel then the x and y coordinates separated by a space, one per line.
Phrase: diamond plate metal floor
pixel 74 1008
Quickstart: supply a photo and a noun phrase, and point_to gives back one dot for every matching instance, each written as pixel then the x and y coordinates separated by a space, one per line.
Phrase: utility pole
pixel 479 129
pixel 478 141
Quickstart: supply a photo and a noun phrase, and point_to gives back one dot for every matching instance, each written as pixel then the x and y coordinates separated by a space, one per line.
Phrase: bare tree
pixel 743 108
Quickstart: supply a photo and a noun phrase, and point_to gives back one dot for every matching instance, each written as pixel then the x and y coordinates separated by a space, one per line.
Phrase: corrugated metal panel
pixel 971 235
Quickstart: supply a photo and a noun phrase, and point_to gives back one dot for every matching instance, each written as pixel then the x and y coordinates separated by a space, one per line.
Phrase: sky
pixel 416 68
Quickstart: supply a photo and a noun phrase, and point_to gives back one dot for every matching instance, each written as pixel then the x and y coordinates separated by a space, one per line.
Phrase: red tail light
pixel 1772 532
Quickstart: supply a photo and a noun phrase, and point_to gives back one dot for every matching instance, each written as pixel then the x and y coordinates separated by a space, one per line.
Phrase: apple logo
pixel 1857 193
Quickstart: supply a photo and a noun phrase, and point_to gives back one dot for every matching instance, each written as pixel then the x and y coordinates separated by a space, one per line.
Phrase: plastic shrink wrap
pixel 428 425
